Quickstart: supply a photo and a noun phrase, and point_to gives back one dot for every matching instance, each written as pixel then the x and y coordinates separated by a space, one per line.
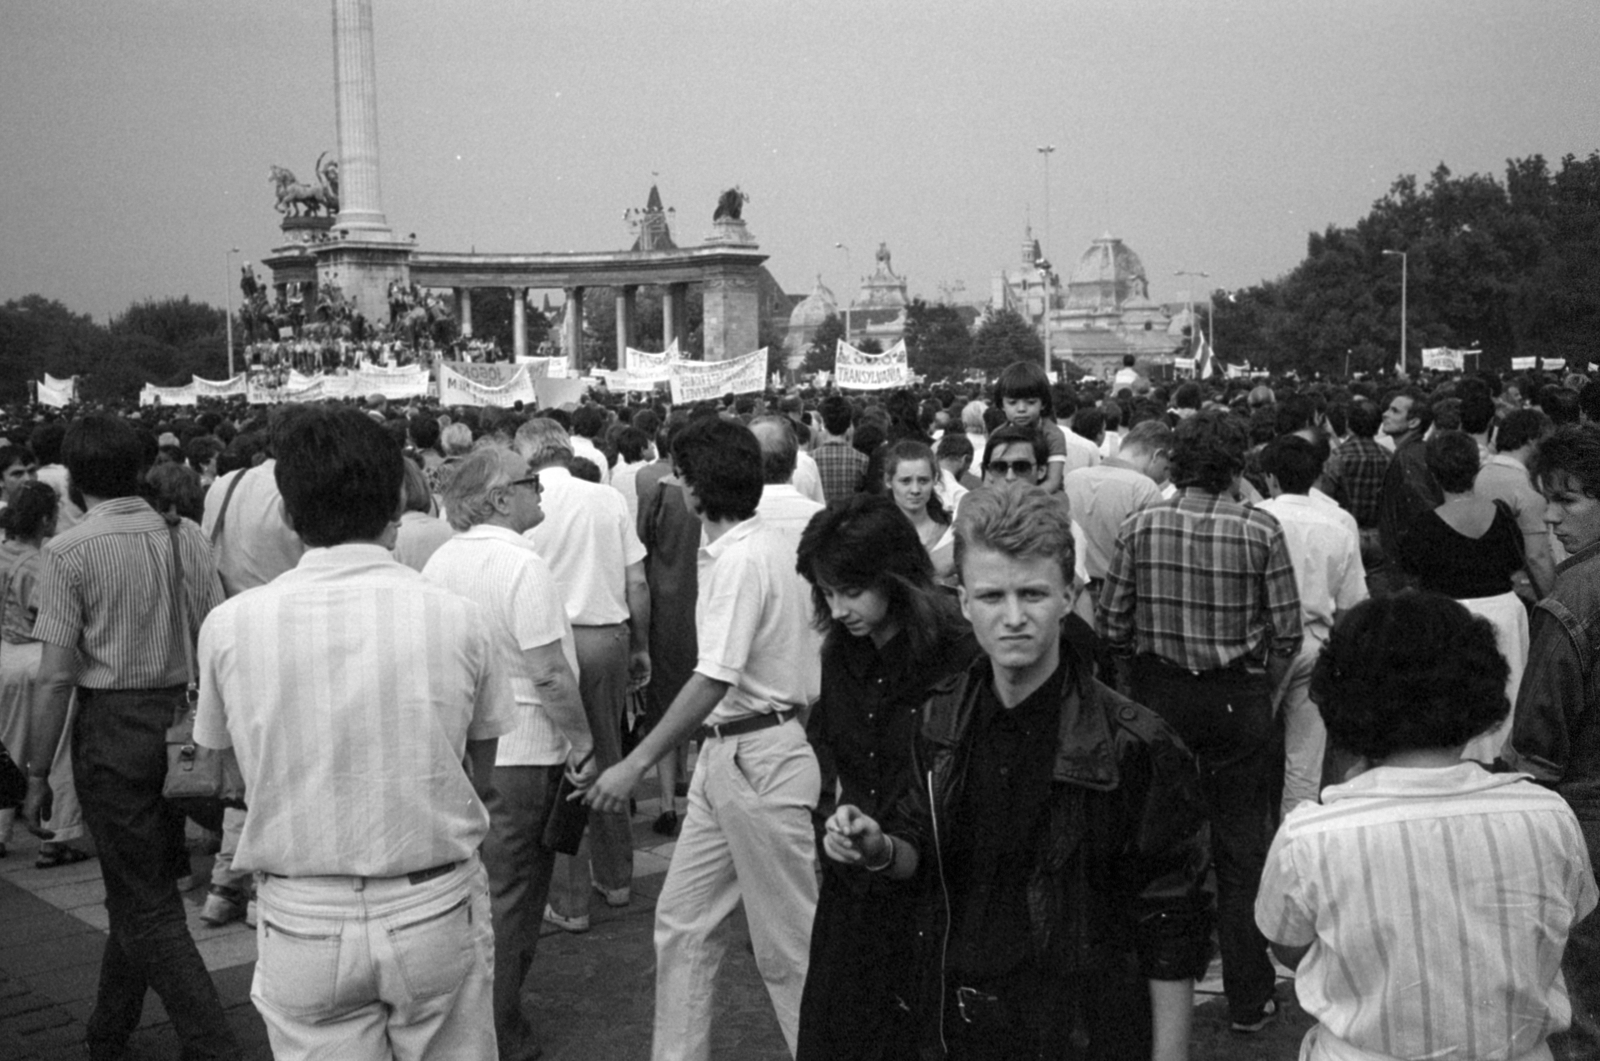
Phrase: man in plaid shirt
pixel 1201 594
pixel 840 465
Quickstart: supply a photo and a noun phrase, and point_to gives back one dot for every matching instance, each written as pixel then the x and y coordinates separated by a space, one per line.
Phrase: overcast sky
pixel 1209 136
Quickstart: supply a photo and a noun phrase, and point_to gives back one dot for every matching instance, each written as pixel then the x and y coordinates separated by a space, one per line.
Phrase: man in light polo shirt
pixel 747 835
pixel 597 559
pixel 364 704
pixel 493 498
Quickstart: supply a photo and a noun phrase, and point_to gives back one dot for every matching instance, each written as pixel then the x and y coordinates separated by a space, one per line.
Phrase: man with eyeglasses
pixel 595 554
pixel 493 499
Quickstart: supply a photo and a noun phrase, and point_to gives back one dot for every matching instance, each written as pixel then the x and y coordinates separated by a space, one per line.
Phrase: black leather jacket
pixel 1119 889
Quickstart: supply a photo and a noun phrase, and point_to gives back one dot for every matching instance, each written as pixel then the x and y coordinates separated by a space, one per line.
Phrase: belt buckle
pixel 715 729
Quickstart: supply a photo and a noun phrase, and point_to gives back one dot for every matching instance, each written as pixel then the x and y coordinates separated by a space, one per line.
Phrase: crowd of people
pixel 1003 710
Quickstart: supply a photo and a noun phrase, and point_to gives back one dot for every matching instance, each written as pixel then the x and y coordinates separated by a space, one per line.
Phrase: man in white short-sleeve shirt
pixel 747 835
pixel 353 692
pixel 493 497
pixel 597 559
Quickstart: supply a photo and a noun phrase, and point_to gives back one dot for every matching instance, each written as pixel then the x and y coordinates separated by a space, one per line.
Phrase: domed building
pixel 1104 314
pixel 804 320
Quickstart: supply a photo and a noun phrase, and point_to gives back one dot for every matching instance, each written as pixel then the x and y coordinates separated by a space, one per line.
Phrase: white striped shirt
pixel 1437 903
pixel 106 591
pixel 502 571
pixel 349 688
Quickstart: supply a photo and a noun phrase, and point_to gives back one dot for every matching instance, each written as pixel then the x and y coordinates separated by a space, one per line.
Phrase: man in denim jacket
pixel 1556 732
pixel 1055 841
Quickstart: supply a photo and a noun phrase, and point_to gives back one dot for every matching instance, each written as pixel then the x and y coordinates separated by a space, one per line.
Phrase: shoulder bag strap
pixel 222 515
pixel 180 602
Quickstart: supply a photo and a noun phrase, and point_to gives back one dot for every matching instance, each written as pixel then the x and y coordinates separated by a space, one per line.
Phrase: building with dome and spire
pixel 804 320
pixel 1104 313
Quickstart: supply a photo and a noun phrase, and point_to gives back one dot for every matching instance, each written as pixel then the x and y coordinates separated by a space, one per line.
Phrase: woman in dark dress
pixel 891 635
pixel 1468 548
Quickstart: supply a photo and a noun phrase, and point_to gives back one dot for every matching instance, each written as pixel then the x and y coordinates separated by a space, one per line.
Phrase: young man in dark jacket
pixel 1056 839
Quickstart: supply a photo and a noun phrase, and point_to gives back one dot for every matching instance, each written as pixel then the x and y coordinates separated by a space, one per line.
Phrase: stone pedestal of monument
pixel 731 295
pixel 363 269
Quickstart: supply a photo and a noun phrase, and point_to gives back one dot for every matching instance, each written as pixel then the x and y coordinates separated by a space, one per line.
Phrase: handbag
pixel 195 773
pixel 13 782
pixel 563 829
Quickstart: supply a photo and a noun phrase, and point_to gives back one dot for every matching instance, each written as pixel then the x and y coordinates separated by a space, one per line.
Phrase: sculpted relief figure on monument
pixel 295 195
pixel 730 204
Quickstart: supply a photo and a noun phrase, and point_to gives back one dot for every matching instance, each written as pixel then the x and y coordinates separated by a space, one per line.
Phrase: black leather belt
pixel 745 725
pixel 421 876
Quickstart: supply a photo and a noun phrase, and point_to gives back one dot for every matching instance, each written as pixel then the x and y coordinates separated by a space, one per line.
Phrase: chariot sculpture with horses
pixel 296 198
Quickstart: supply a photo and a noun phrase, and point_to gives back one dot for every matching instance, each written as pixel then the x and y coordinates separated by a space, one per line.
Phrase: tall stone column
pixel 732 310
pixel 464 310
pixel 574 329
pixel 625 301
pixel 674 315
pixel 355 90
pixel 519 322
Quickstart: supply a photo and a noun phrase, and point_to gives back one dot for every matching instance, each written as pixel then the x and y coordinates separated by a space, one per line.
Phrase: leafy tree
pixel 39 335
pixel 869 345
pixel 824 345
pixel 1004 337
pixel 170 321
pixel 937 341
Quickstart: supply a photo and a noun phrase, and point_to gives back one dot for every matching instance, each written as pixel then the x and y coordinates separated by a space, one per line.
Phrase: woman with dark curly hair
pixel 891 634
pixel 1425 902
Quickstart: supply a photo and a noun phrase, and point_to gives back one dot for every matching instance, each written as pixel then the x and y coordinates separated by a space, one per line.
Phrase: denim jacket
pixel 1556 732
pixel 1119 884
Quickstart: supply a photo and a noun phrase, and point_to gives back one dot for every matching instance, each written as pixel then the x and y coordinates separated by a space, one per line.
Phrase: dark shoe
pixel 61 855
pixel 666 824
pixel 1268 1014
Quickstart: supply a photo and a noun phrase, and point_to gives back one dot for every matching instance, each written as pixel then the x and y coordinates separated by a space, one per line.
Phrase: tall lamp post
pixel 1403 271
pixel 849 272
pixel 1193 327
pixel 1046 150
pixel 227 297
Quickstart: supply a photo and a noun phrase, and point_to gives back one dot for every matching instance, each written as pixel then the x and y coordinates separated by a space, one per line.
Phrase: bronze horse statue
pixel 295 195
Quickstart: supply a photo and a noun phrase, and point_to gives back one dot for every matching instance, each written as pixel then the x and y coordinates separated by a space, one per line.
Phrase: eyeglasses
pixel 1017 468
pixel 532 480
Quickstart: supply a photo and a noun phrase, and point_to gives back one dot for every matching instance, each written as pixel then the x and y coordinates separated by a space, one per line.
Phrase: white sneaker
pixel 566 924
pixel 615 896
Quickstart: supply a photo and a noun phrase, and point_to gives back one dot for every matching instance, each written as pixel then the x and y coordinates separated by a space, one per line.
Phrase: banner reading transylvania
pixel 854 370
pixel 696 381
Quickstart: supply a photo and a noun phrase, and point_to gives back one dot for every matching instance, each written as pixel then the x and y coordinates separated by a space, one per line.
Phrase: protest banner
pixel 150 394
pixel 262 389
pixel 1553 364
pixel 554 393
pixel 1183 364
pixel 542 367
pixel 855 370
pixel 396 384
pixel 1523 364
pixel 645 369
pixel 458 387
pixel 1443 359
pixel 695 381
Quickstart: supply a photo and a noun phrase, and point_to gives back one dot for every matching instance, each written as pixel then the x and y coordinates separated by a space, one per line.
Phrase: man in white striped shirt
pixel 492 499
pixel 1426 902
pixel 364 704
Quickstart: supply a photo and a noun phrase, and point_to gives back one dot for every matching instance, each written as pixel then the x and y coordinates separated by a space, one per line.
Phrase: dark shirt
pixel 866 717
pixel 1555 735
pixel 1447 561
pixel 995 830
pixel 1354 474
pixel 1409 491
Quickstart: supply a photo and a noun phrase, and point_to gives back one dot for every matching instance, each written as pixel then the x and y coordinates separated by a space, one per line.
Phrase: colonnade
pixel 674 318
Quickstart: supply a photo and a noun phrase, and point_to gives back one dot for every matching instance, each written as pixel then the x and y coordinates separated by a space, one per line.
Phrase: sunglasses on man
pixel 1022 469
pixel 532 480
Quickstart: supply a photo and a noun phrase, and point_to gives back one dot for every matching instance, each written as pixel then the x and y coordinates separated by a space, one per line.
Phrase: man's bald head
pixel 779 448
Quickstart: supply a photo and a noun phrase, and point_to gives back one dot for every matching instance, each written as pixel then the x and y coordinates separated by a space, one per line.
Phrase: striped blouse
pixel 1437 904
pixel 106 590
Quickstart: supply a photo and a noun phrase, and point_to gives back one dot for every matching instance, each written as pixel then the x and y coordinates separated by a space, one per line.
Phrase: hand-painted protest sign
pixel 854 370
pixel 695 381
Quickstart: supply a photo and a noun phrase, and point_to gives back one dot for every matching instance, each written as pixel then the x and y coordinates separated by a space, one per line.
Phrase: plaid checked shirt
pixel 842 468
pixel 1201 581
pixel 1354 473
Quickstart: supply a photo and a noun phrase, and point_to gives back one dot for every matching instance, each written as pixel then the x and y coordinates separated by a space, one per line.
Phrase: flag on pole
pixel 1204 361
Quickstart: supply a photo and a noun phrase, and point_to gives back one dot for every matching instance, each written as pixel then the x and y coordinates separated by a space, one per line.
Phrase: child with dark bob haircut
pixel 1425 903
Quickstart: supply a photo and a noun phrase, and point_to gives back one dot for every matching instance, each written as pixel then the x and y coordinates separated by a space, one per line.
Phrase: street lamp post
pixel 1044 263
pixel 849 272
pixel 1404 264
pixel 227 297
pixel 1193 327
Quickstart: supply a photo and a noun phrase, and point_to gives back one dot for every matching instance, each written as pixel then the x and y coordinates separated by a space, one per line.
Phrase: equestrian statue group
pixel 298 199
